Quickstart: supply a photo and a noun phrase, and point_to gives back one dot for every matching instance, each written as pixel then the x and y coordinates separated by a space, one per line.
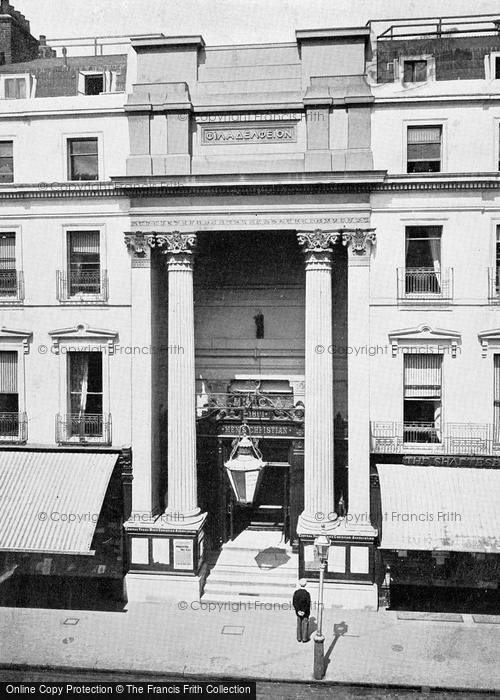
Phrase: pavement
pixel 247 641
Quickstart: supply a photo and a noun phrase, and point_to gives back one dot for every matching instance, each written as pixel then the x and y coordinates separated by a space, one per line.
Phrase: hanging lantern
pixel 244 467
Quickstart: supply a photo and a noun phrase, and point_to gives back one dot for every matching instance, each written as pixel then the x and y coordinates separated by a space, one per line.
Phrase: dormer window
pixel 492 66
pixel 415 71
pixel 14 87
pixel 94 84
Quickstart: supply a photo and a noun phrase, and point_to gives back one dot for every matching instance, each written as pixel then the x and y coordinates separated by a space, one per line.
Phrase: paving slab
pixel 361 647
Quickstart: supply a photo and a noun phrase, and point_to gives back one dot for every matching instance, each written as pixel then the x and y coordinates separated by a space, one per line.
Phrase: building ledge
pixel 254 183
pixel 341 33
pixel 146 43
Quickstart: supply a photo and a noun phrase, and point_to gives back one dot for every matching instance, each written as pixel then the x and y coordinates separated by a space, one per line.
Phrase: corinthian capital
pixel 176 243
pixel 317 241
pixel 358 239
pixel 138 243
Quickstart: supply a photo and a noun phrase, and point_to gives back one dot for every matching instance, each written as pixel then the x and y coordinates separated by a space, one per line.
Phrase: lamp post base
pixel 319 657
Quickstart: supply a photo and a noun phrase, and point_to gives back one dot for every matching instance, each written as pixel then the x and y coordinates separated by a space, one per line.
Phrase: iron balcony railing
pixel 11 285
pixel 83 428
pixel 13 427
pixel 448 438
pixel 89 286
pixel 424 284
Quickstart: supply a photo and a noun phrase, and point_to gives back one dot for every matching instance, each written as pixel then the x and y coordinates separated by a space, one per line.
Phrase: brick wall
pixel 16 43
pixel 456 57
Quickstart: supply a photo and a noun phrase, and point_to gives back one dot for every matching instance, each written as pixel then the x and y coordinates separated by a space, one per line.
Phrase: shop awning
pixel 440 508
pixel 51 501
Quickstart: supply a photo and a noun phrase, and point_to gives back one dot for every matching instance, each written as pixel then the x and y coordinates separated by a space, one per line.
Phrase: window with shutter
pixel 424 149
pixel 422 397
pixel 9 397
pixel 84 264
pixel 8 274
pixel 6 161
pixel 496 399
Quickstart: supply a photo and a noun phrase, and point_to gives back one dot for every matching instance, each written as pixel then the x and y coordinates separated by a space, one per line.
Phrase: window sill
pixel 430 299
pixel 85 442
pixel 16 301
pixel 84 299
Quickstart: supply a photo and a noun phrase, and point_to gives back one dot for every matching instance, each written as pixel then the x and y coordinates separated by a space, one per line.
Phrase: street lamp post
pixel 321 544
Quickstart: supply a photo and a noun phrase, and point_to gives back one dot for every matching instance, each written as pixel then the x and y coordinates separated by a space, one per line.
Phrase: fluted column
pixel 182 481
pixel 318 514
pixel 360 243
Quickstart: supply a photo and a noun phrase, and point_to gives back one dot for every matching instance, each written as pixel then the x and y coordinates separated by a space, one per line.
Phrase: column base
pixel 310 525
pixel 164 550
pixel 358 529
pixel 350 568
pixel 184 521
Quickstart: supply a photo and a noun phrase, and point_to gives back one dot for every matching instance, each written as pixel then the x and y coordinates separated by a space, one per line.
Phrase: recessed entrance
pixel 270 507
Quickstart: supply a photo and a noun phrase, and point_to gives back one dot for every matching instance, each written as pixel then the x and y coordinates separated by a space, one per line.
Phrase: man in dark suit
pixel 302 604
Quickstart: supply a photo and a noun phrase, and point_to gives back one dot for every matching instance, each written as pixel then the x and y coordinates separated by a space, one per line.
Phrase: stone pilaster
pixel 138 245
pixel 319 502
pixel 360 243
pixel 182 482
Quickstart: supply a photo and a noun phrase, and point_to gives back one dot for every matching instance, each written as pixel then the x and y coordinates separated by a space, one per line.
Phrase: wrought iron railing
pixel 494 285
pixel 13 427
pixel 252 404
pixel 82 428
pixel 438 27
pixel 11 285
pixel 425 284
pixel 449 438
pixel 82 286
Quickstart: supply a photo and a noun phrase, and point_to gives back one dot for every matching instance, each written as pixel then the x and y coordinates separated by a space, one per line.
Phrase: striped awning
pixel 439 508
pixel 50 501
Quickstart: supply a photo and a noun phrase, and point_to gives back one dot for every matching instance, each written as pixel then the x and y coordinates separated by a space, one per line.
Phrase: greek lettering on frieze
pixel 208 222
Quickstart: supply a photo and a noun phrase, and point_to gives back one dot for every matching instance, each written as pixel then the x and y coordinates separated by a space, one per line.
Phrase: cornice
pixel 224 185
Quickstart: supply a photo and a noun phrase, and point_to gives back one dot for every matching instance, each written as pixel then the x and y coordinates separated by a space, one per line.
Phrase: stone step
pixel 255 540
pixel 242 572
pixel 235 547
pixel 256 556
pixel 253 578
pixel 226 593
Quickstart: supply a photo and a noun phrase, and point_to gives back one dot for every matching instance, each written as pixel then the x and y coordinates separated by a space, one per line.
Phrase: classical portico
pixel 351 535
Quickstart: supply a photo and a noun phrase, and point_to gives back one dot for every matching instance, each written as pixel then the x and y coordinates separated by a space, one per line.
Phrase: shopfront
pixel 61 538
pixel 440 536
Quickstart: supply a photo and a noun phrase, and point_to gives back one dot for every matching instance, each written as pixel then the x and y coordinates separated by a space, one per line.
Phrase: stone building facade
pixel 292 243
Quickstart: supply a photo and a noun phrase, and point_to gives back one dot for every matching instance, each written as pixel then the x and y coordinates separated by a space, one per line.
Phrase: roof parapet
pixel 162 41
pixel 341 33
